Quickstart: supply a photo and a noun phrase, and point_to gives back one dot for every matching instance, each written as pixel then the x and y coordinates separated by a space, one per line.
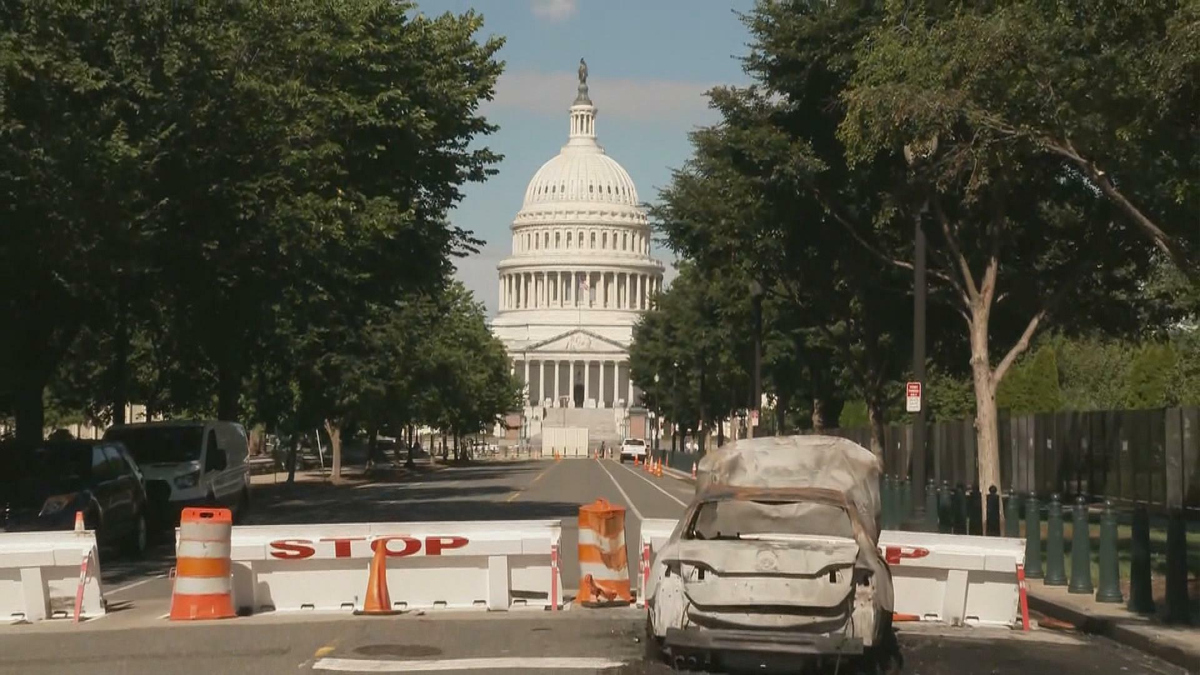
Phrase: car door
pixel 233 444
pixel 104 488
pixel 124 501
pixel 214 464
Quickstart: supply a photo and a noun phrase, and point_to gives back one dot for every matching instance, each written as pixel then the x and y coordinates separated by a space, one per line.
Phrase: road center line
pixel 517 493
pixel 656 486
pixel 443 665
pixel 628 499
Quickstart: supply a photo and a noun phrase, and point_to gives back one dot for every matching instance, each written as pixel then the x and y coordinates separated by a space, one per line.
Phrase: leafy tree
pixel 1032 386
pixel 1015 228
pixel 1150 374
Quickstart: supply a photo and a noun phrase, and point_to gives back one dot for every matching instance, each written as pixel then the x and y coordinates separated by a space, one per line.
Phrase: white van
pixel 189 463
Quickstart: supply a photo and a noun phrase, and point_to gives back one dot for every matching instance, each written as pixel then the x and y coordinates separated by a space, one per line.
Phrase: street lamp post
pixel 655 418
pixel 756 296
pixel 914 154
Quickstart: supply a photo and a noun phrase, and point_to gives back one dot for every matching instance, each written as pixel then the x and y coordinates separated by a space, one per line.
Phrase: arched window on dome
pixel 568 240
pixel 546 240
pixel 591 188
pixel 580 239
pixel 593 244
pixel 557 240
pixel 624 242
pixel 526 242
pixel 604 241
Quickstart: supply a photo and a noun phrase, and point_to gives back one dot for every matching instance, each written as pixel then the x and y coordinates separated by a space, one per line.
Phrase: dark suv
pixel 43 485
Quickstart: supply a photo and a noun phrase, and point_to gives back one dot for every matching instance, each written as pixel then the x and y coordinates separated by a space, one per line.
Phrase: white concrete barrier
pixel 495 565
pixel 654 535
pixel 40 576
pixel 954 579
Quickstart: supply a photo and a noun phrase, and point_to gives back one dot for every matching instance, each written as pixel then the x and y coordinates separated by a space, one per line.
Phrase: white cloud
pixel 554 10
pixel 640 99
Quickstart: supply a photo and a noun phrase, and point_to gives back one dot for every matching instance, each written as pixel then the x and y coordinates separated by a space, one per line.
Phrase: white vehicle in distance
pixel 633 448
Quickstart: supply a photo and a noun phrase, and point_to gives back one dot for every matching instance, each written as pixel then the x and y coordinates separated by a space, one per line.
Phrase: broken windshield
pixel 738 518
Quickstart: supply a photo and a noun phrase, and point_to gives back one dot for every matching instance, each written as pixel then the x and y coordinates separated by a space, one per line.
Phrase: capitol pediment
pixel 578 340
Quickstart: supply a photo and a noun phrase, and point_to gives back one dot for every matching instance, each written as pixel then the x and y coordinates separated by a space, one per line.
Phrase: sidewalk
pixel 1179 645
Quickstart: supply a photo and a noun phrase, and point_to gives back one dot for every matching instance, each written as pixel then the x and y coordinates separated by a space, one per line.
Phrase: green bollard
pixel 886 521
pixel 1056 562
pixel 1081 549
pixel 1141 595
pixel 1178 605
pixel 931 507
pixel 1012 515
pixel 945 514
pixel 1110 572
pixel 905 503
pixel 1033 538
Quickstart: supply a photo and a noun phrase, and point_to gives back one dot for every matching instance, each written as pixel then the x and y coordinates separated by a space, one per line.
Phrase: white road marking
pixel 656 487
pixel 135 584
pixel 624 494
pixel 444 665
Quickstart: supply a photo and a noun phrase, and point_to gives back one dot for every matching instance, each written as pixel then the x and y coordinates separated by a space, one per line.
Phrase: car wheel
pixel 884 658
pixel 135 544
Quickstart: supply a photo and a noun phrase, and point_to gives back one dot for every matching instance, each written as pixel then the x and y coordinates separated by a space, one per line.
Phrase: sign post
pixel 912 395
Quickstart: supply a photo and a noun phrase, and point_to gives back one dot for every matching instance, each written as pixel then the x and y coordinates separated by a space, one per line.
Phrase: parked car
pixel 776 556
pixel 633 448
pixel 43 486
pixel 189 463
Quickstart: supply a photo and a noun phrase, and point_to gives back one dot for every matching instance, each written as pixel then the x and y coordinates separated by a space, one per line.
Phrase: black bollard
pixel 1141 596
pixel 1033 538
pixel 945 514
pixel 1110 572
pixel 1056 567
pixel 1178 606
pixel 1081 549
pixel 1012 515
pixel 993 512
pixel 931 507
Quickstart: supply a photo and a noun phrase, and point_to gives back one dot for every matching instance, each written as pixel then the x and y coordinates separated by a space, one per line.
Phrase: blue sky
pixel 649 62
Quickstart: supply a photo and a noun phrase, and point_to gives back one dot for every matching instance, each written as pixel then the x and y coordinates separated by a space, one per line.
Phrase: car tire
pixel 135 544
pixel 884 658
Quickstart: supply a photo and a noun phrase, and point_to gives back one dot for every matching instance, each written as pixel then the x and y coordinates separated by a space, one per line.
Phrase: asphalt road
pixel 134 638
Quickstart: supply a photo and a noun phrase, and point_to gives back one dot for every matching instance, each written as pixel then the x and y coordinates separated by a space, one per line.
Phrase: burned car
pixel 777 554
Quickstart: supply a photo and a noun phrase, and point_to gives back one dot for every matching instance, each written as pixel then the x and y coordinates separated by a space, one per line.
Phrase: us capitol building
pixel 579 275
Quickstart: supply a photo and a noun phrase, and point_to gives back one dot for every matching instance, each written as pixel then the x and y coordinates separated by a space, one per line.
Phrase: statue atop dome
pixel 582 98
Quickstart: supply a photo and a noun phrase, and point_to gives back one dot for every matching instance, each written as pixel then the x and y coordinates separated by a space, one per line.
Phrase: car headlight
pixel 57 503
pixel 187 480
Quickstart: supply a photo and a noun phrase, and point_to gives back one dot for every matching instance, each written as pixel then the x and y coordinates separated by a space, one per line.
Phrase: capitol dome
pixel 579 275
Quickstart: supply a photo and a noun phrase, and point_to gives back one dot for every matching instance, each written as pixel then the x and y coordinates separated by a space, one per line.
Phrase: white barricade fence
pixel 42 575
pixel 654 535
pixel 955 579
pixel 497 565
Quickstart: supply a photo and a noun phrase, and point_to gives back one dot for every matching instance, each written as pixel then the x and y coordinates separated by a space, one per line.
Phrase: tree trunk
pixel 987 431
pixel 373 447
pixel 335 448
pixel 780 416
pixel 293 444
pixel 229 391
pixel 818 415
pixel 720 433
pixel 875 416
pixel 29 408
pixel 410 462
pixel 120 395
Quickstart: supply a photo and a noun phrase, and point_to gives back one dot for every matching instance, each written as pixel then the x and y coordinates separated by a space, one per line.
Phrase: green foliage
pixel 204 191
pixel 1032 386
pixel 1150 375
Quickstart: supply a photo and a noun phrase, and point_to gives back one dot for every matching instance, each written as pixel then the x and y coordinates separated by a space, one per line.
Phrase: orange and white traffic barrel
pixel 203 586
pixel 603 561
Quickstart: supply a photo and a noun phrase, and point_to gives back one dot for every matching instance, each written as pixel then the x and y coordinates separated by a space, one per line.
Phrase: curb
pixel 1118 632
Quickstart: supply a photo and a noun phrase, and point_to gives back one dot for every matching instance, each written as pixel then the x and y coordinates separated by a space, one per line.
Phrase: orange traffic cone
pixel 693 469
pixel 377 600
pixel 658 471
pixel 79 521
pixel 635 460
